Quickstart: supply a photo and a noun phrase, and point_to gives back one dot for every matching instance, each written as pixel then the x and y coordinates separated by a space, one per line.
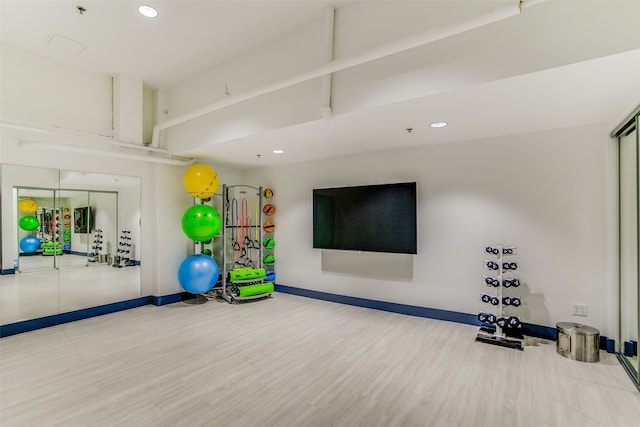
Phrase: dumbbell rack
pixel 94 255
pixel 498 326
pixel 123 251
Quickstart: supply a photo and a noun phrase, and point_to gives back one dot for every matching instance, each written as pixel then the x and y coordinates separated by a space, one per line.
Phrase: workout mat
pixel 251 290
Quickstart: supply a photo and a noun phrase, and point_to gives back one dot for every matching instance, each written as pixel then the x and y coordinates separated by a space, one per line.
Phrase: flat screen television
pixel 371 218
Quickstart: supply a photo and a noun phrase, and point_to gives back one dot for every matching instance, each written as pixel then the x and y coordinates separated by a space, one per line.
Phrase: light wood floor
pixel 39 290
pixel 293 361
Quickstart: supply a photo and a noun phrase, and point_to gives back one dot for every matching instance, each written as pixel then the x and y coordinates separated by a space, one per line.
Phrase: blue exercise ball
pixel 30 244
pixel 198 274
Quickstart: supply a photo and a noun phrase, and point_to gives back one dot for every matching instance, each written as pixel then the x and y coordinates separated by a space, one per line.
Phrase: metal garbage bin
pixel 578 342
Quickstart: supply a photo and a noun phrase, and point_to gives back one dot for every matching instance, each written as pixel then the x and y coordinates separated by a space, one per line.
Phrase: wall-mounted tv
pixel 371 218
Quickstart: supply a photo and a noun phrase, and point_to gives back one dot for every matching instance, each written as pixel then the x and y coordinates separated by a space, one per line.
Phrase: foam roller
pixel 247 273
pixel 258 289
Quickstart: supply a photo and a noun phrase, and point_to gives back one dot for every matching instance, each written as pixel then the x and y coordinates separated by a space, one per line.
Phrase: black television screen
pixel 372 218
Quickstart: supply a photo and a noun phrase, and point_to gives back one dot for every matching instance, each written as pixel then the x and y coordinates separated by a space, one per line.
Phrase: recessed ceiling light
pixel 147 11
pixel 278 151
pixel 438 124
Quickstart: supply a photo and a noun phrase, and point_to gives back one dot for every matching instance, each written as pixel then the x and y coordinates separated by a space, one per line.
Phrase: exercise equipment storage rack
pixel 243 273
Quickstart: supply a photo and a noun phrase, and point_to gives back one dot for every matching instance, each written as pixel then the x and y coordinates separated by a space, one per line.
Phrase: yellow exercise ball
pixel 201 181
pixel 28 206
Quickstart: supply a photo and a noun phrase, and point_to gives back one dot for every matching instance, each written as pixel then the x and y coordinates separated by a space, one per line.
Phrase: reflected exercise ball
pixel 29 244
pixel 201 181
pixel 29 223
pixel 198 274
pixel 28 206
pixel 201 223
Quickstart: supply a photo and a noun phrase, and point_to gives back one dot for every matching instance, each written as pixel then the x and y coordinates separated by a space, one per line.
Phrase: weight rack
pixel 497 326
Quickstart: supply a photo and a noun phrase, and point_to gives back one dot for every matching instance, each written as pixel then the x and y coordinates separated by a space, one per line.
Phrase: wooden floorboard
pixel 294 361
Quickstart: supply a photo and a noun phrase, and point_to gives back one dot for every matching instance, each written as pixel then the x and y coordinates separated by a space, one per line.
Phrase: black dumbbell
pixel 502 322
pixel 513 322
pixel 515 301
pixel 515 283
pixel 491 265
pixel 506 301
pixel 491 318
pixel 482 317
pixel 492 250
pixel 506 266
pixel 507 251
pixel 486 298
pixel 490 281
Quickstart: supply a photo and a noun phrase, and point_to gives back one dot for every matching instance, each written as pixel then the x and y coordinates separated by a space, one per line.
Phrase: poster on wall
pixel 83 220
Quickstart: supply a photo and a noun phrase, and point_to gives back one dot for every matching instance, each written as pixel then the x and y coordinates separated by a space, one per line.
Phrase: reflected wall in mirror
pixel 67 270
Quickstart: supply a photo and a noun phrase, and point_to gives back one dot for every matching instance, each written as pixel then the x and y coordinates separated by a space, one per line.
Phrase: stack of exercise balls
pixel 29 222
pixel 199 273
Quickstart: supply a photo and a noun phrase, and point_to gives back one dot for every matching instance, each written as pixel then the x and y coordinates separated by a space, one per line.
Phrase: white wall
pixel 40 92
pixel 544 192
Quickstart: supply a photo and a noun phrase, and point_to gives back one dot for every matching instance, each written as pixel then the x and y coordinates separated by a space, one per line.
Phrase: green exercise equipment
pixel 257 289
pixel 268 243
pixel 247 273
pixel 269 260
pixel 29 223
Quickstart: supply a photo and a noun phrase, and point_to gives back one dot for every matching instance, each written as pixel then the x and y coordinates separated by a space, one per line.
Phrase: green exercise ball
pixel 201 223
pixel 29 223
pixel 268 243
pixel 268 260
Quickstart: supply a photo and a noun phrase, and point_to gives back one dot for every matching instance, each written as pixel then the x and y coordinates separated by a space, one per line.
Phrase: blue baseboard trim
pixel 170 299
pixel 611 345
pixel 58 319
pixel 537 331
pixel 85 313
pixel 411 310
pixel 7 271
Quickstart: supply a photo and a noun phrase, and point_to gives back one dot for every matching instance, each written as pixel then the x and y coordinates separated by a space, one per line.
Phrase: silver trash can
pixel 578 342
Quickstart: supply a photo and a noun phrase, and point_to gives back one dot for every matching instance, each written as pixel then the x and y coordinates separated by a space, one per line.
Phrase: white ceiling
pixel 187 38
pixel 588 76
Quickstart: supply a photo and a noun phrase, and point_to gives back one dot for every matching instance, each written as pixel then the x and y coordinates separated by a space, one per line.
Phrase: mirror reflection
pixel 70 237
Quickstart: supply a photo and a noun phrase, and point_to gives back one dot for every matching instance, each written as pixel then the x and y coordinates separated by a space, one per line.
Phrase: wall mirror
pixel 70 238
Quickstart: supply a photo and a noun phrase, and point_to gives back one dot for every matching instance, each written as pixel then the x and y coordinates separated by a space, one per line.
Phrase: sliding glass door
pixel 629 185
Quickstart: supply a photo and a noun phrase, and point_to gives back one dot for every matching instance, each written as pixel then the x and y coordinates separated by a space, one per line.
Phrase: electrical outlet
pixel 580 310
